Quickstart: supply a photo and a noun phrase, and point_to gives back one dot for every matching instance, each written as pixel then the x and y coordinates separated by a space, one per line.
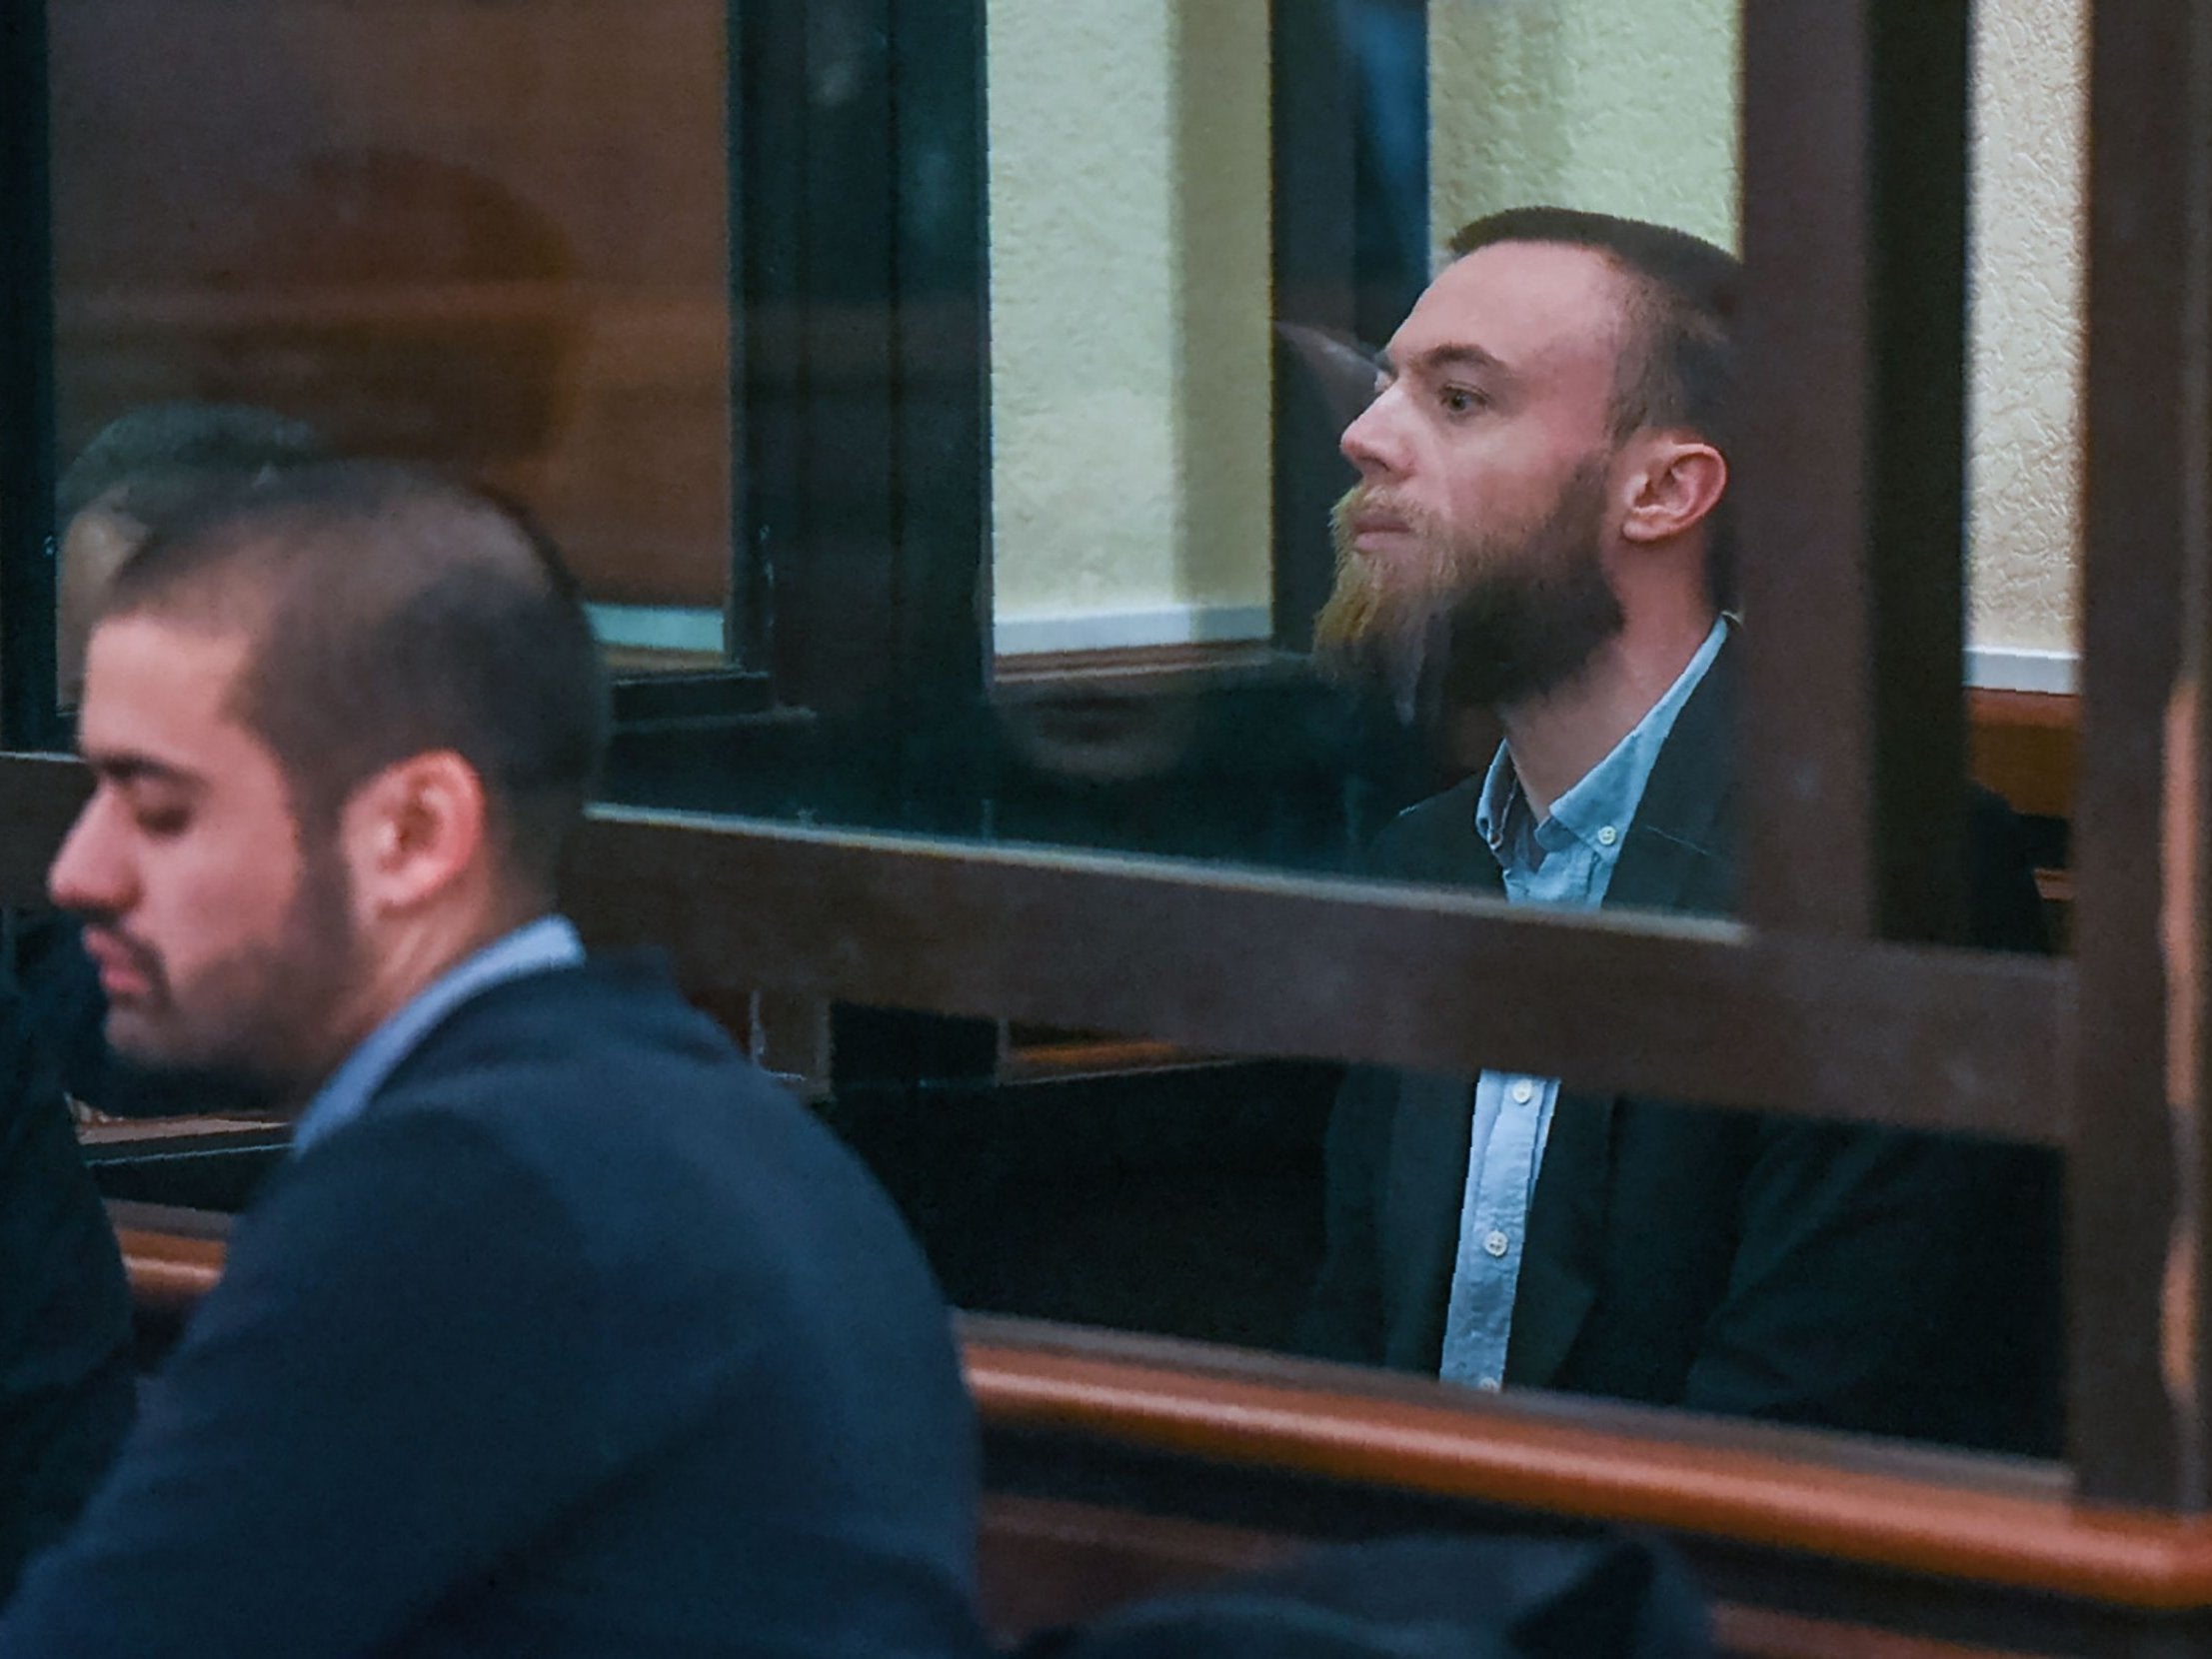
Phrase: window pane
pixel 489 236
pixel 1049 323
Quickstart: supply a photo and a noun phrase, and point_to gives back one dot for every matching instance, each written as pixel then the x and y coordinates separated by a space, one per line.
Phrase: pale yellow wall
pixel 1632 109
pixel 1627 109
pixel 1128 304
pixel 1129 266
pixel 2030 113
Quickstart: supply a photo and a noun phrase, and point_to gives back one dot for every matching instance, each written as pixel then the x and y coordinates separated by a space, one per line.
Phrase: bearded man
pixel 563 1332
pixel 1540 528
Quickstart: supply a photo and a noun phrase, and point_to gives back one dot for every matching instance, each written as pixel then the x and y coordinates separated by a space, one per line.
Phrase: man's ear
pixel 1675 486
pixel 414 830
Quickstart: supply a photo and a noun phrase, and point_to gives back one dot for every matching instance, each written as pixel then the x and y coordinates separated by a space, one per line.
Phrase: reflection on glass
pixel 491 236
pixel 1285 516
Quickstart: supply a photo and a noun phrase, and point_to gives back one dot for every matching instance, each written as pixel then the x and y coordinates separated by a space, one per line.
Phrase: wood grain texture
pixel 2010 1528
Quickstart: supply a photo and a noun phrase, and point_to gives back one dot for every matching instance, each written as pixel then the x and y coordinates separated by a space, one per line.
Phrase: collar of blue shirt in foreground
pixel 1607 796
pixel 535 947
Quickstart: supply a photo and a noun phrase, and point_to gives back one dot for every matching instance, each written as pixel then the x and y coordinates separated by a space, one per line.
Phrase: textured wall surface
pixel 1129 289
pixel 2030 110
pixel 1626 109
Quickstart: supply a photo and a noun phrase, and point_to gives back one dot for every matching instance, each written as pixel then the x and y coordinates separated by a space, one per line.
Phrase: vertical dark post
pixel 1314 236
pixel 26 384
pixel 837 608
pixel 816 288
pixel 1916 493
pixel 2133 1164
pixel 861 274
pixel 1854 463
pixel 941 414
pixel 2189 987
pixel 767 277
pixel 744 606
pixel 1807 344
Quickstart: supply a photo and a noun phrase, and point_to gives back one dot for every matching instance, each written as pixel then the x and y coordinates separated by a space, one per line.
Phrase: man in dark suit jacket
pixel 65 1315
pixel 1509 1230
pixel 563 1332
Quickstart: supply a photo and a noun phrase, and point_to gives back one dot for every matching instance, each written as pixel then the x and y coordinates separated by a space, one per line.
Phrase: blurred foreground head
pixel 341 720
pixel 142 470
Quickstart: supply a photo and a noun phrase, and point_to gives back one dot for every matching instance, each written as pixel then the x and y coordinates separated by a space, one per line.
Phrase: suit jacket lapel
pixel 1679 857
pixel 1420 1241
pixel 1429 1130
pixel 1680 852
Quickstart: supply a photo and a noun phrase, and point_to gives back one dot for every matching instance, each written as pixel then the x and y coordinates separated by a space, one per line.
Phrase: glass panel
pixel 1049 339
pixel 494 236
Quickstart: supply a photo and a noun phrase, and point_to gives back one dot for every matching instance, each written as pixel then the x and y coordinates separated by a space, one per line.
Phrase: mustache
pixel 1371 501
pixel 136 952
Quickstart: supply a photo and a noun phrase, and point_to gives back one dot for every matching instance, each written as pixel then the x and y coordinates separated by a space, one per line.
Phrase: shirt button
pixel 1523 1092
pixel 1495 1243
pixel 1607 836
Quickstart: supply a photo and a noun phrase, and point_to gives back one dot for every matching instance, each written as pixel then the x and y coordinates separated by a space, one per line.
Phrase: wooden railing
pixel 2004 1531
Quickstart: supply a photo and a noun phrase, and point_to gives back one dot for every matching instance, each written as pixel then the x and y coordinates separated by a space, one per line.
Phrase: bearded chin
pixel 1476 621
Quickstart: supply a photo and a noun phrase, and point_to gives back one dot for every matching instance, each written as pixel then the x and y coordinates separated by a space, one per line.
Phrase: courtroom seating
pixel 1118 1470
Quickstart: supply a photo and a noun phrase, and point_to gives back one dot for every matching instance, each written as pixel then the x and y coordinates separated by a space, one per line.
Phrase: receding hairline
pixel 1671 276
pixel 1628 332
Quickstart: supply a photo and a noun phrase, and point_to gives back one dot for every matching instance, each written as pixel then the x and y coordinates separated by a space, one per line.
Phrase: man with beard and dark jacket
pixel 1539 529
pixel 563 1332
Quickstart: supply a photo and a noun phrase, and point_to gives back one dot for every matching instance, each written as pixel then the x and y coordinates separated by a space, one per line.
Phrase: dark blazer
pixel 584 1339
pixel 1727 1261
pixel 65 1316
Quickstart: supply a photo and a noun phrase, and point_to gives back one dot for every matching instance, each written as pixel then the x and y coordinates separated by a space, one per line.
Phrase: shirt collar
pixel 535 947
pixel 1597 811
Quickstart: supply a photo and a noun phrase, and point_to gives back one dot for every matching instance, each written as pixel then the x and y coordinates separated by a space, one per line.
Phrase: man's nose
pixel 1373 442
pixel 88 873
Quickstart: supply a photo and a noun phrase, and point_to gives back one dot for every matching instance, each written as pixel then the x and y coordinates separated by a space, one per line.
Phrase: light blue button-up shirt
pixel 534 947
pixel 1566 859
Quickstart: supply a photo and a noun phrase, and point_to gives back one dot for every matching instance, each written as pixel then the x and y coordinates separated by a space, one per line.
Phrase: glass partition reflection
pixel 493 237
pixel 971 424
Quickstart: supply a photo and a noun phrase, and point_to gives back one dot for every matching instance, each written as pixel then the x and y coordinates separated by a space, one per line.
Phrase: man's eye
pixel 161 817
pixel 1462 400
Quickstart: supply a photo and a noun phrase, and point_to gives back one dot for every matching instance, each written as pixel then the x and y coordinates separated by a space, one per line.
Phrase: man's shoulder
pixel 613 1092
pixel 568 1025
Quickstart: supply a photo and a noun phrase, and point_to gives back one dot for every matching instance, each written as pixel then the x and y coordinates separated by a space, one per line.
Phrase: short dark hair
pixel 153 450
pixel 390 612
pixel 1679 360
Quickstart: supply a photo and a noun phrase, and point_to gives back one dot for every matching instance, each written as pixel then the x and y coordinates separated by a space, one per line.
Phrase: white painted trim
pixel 657 627
pixel 2011 669
pixel 1025 633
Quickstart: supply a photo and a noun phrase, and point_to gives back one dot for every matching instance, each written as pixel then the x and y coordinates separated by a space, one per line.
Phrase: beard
pixel 1471 620
pixel 258 1028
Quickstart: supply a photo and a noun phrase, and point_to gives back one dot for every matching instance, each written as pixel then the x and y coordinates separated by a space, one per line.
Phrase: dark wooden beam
pixel 2133 1167
pixel 1244 962
pixel 1853 464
